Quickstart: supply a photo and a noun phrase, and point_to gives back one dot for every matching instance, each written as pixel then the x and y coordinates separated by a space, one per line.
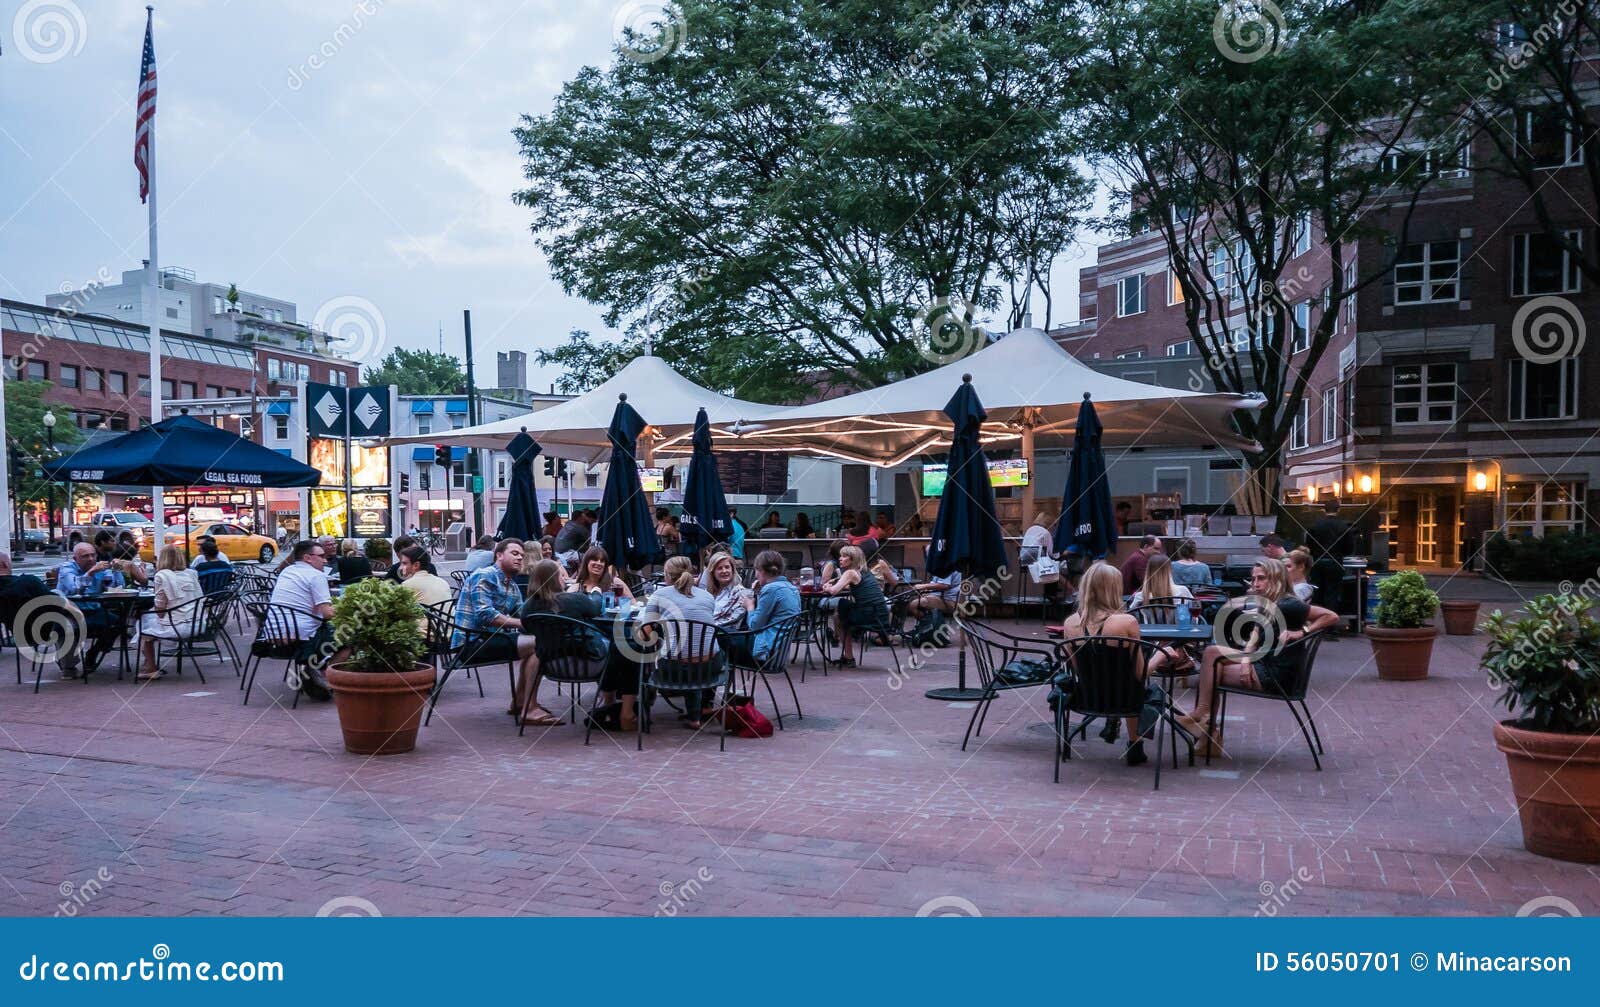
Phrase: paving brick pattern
pixel 194 805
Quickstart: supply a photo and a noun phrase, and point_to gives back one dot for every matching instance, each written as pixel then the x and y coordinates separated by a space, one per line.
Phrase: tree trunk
pixel 1259 492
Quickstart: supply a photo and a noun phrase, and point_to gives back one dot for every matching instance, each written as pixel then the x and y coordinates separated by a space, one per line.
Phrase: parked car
pixel 116 521
pixel 235 542
pixel 34 539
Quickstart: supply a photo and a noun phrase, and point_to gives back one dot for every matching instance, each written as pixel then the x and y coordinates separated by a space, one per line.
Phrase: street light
pixel 50 440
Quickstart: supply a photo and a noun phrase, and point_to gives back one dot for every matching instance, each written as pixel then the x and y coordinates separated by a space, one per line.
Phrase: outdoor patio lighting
pixel 1482 477
pixel 1366 484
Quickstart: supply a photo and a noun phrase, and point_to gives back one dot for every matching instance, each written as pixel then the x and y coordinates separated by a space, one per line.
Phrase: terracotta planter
pixel 1556 781
pixel 1402 655
pixel 379 713
pixel 1460 617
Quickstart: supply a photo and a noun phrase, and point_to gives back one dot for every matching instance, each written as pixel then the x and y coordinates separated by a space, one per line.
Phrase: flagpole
pixel 158 506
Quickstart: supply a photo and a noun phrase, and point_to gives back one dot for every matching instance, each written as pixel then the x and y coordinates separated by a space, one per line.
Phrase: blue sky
pixel 383 173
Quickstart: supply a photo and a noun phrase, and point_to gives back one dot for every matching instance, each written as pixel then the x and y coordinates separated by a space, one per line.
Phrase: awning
pixel 424 454
pixel 283 506
pixel 282 407
pixel 423 407
pixel 458 454
pixel 456 407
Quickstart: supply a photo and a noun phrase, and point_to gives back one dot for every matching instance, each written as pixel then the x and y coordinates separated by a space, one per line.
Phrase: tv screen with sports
pixel 652 480
pixel 1006 472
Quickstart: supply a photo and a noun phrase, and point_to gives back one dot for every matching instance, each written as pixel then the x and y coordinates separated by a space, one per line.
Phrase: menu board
pixel 756 473
pixel 371 514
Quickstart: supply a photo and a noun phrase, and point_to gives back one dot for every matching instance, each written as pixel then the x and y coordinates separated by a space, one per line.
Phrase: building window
pixel 172 312
pixel 1548 139
pixel 1349 406
pixel 117 382
pixel 1544 391
pixel 1298 434
pixel 1181 349
pixel 93 380
pixel 280 427
pixel 1425 393
pixel 1131 355
pixel 1302 233
pixel 1427 273
pixel 456 422
pixel 1302 327
pixel 1171 480
pixel 1541 265
pixel 305 372
pixel 1453 162
pixel 499 473
pixel 1222 271
pixel 213 391
pixel 67 376
pixel 1541 509
pixel 458 475
pixel 144 384
pixel 1350 293
pixel 424 424
pixel 38 370
pixel 273 371
pixel 169 388
pixel 1330 414
pixel 189 390
pixel 1174 289
pixel 1130 296
pixel 117 421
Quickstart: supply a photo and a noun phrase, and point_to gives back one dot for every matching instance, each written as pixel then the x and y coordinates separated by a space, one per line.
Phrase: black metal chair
pixel 568 655
pixel 812 632
pixel 735 643
pixel 1289 688
pixel 884 631
pixel 199 630
pixel 279 638
pixel 458 579
pixel 1005 663
pixel 36 660
pixel 1100 678
pixel 687 662
pixel 462 655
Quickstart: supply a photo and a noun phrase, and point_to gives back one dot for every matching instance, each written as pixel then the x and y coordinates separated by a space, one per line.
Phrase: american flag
pixel 144 122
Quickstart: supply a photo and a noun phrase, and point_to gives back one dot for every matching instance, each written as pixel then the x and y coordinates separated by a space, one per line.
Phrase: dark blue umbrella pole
pixel 966 534
pixel 1088 523
pixel 627 530
pixel 705 506
pixel 521 519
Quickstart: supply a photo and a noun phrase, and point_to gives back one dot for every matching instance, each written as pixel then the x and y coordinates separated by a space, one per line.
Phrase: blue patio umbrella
pixel 182 451
pixel 521 519
pixel 705 506
pixel 966 534
pixel 1088 525
pixel 627 530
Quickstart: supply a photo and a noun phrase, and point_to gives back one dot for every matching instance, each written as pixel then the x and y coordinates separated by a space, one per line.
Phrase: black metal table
pixel 127 606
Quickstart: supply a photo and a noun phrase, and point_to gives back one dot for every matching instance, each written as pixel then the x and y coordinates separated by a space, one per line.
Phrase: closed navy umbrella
pixel 182 451
pixel 966 534
pixel 705 506
pixel 521 519
pixel 626 529
pixel 1088 525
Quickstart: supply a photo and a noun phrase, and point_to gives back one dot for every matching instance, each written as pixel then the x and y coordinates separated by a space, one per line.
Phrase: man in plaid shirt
pixel 488 615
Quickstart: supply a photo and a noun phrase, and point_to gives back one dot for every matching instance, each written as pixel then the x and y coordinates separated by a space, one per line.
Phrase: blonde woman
pixel 680 600
pixel 1261 663
pixel 1298 564
pixel 862 605
pixel 175 585
pixel 721 581
pixel 1100 613
pixel 1159 588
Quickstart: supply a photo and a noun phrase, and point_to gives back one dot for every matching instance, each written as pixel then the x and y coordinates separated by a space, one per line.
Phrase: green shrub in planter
pixel 379 622
pixel 378 550
pixel 1406 602
pixel 1564 556
pixel 1547 664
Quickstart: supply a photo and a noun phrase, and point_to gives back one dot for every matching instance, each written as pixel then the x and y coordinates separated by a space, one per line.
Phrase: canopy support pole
pixel 1028 423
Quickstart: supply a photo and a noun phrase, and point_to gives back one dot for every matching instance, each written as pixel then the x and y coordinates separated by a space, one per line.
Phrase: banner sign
pixel 367 405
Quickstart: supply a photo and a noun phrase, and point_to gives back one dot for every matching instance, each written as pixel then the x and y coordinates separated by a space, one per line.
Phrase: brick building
pixel 1432 403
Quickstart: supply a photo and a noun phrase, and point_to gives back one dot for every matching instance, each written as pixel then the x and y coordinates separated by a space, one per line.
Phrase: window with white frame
pixel 1453 162
pixel 1542 265
pixel 1541 509
pixel 1302 327
pixel 1548 139
pixel 499 473
pixel 1184 348
pixel 1174 288
pixel 217 304
pixel 280 427
pixel 1302 233
pixel 1130 296
pixel 1543 391
pixel 424 424
pixel 1350 295
pixel 1298 436
pixel 1131 354
pixel 1427 272
pixel 1425 393
pixel 1349 397
pixel 1330 414
pixel 1222 277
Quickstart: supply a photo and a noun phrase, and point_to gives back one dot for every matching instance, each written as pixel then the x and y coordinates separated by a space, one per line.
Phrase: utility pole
pixel 475 469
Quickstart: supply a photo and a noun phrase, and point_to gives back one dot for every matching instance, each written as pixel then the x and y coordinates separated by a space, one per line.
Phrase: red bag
pixel 741 719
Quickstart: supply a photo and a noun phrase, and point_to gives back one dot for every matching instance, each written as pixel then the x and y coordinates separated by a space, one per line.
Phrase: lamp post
pixel 50 441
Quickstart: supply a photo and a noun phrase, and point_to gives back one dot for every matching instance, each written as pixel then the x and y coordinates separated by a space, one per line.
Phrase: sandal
pixel 538 717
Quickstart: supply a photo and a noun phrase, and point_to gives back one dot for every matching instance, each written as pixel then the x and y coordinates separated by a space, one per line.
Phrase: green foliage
pixel 1572 556
pixel 1547 663
pixel 25 409
pixel 378 550
pixel 780 196
pixel 419 372
pixel 380 623
pixel 233 295
pixel 1405 601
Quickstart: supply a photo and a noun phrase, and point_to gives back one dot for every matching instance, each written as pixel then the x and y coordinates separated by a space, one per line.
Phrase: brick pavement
pixel 193 804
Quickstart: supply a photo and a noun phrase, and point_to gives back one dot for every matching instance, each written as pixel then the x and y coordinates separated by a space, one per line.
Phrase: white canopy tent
pixel 1031 388
pixel 576 429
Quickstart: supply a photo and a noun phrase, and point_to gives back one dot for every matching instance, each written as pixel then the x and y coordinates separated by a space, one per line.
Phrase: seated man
pixel 302 586
pixel 85 576
pixel 488 615
pixel 210 557
pixel 938 594
pixel 16 591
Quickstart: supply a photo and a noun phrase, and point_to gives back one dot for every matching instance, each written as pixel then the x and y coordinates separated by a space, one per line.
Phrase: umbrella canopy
pixel 1087 524
pixel 521 519
pixel 627 530
pixel 705 506
pixel 966 534
pixel 182 451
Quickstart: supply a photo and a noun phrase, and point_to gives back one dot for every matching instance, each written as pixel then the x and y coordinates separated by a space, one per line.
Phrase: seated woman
pixel 1187 570
pixel 1159 589
pixel 669 534
pixel 887 577
pixel 861 601
pixel 802 526
pixel 679 601
pixel 176 585
pixel 352 565
pixel 721 581
pixel 596 575
pixel 1262 662
pixel 546 597
pixel 1298 564
pixel 1100 613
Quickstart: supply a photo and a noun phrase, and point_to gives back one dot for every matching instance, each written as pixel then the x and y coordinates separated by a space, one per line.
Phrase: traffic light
pixel 441 455
pixel 426 478
pixel 550 467
pixel 405 482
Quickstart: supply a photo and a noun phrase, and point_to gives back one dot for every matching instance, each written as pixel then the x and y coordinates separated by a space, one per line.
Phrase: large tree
pixel 26 434
pixel 788 192
pixel 419 372
pixel 1226 129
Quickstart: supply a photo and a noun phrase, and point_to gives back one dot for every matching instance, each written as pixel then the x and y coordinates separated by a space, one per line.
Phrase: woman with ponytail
pixel 680 600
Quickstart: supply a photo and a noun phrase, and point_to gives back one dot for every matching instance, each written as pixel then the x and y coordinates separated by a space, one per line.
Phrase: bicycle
pixel 432 541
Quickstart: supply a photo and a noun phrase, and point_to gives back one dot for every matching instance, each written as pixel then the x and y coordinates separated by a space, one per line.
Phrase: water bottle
pixel 1185 617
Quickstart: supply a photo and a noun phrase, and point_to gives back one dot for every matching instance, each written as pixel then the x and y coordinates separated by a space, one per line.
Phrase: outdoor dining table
pixel 126 605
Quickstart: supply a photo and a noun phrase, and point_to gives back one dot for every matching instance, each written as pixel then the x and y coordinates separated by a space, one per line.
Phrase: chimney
pixel 512 369
pixel 1027 319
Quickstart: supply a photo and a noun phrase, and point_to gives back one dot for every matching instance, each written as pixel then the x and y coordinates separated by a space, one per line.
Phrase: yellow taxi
pixel 233 541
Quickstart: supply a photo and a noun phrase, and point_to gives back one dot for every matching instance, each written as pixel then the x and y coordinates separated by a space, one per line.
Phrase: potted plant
pixel 381 686
pixel 1547 666
pixel 379 551
pixel 1402 638
pixel 1460 617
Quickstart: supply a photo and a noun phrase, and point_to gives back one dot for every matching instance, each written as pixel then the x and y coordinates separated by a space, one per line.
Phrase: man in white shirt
pixel 481 555
pixel 303 588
